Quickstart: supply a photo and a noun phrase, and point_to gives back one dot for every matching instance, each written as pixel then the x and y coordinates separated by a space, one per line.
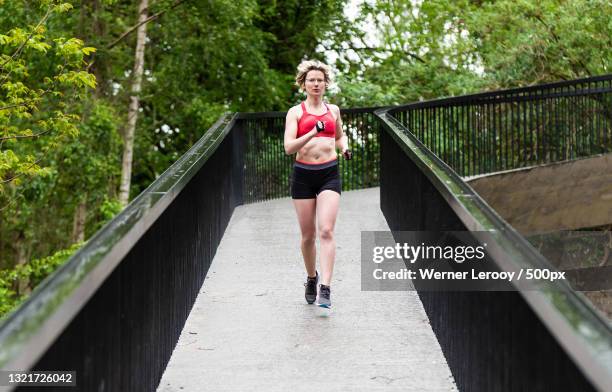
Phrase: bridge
pixel 196 285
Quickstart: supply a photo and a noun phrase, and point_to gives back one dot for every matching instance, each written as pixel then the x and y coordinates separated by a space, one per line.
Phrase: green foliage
pixel 294 28
pixel 202 60
pixel 38 77
pixel 436 48
pixel 205 59
pixel 34 272
pixel 109 208
pixel 419 52
pixel 527 42
pixel 84 170
pixel 61 149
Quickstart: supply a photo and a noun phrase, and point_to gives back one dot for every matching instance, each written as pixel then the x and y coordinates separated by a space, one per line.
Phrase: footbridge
pixel 197 284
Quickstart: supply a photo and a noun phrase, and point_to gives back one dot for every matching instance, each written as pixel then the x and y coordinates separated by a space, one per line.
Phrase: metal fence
pixel 508 129
pixel 114 312
pixel 544 340
pixel 268 168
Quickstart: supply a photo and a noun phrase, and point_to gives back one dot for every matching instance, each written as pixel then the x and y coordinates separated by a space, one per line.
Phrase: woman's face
pixel 315 83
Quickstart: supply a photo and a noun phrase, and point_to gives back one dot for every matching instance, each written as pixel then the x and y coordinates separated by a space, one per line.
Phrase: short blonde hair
pixel 312 65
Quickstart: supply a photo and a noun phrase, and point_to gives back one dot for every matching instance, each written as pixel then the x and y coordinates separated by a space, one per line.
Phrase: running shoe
pixel 311 288
pixel 323 299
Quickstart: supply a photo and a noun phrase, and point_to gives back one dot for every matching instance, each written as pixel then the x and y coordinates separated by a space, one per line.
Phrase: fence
pixel 115 310
pixel 508 129
pixel 545 340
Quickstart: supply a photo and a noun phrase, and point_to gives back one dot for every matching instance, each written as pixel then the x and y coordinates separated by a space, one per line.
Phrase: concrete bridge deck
pixel 251 330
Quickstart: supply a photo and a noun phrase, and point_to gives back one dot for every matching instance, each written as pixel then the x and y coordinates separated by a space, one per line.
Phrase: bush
pixel 33 272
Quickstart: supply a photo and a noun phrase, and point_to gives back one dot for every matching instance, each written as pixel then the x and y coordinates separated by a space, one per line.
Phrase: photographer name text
pixel 529 274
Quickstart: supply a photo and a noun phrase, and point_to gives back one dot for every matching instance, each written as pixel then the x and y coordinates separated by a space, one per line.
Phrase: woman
pixel 313 130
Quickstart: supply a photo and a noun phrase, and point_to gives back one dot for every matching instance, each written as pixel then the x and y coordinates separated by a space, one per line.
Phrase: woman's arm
pixel 341 139
pixel 293 144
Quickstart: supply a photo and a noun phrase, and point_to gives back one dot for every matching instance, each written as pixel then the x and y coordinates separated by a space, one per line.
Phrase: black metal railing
pixel 501 130
pixel 544 340
pixel 114 312
pixel 268 168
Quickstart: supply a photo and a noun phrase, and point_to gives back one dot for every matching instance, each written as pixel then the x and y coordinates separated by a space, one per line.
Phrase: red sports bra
pixel 308 121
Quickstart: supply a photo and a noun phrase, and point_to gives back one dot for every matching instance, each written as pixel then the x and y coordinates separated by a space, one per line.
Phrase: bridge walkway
pixel 251 330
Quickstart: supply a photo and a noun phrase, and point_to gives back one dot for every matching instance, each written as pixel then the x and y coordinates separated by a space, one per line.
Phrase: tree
pixel 527 42
pixel 28 133
pixel 204 59
pixel 126 166
pixel 41 75
pixel 436 48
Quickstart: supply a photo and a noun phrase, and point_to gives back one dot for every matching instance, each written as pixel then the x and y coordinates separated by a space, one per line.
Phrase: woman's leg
pixel 327 210
pixel 306 212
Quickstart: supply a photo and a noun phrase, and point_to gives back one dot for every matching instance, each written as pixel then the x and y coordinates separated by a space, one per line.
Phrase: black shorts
pixel 307 181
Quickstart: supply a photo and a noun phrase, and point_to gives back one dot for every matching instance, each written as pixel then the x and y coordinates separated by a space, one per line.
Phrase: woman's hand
pixel 320 127
pixel 348 155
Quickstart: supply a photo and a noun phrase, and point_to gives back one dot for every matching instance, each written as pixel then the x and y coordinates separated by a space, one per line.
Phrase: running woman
pixel 313 130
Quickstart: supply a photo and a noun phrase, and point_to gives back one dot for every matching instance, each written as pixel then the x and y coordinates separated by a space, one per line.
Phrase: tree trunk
pixel 126 167
pixel 23 284
pixel 78 227
pixel 100 65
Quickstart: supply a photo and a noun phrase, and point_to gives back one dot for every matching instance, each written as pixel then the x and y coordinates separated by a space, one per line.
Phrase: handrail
pixel 499 95
pixel 265 115
pixel 26 333
pixel 576 326
pixel 503 130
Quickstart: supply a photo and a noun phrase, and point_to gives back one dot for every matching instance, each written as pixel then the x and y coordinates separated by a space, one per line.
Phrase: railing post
pixel 238 171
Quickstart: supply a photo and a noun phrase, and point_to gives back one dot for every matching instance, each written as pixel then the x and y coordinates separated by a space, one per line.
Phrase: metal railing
pixel 549 339
pixel 114 312
pixel 509 129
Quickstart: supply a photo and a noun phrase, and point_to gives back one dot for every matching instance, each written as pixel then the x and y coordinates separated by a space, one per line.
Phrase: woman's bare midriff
pixel 318 150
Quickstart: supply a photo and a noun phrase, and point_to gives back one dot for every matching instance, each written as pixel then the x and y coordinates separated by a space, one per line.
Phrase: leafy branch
pixel 22 96
pixel 25 136
pixel 23 44
pixel 149 19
